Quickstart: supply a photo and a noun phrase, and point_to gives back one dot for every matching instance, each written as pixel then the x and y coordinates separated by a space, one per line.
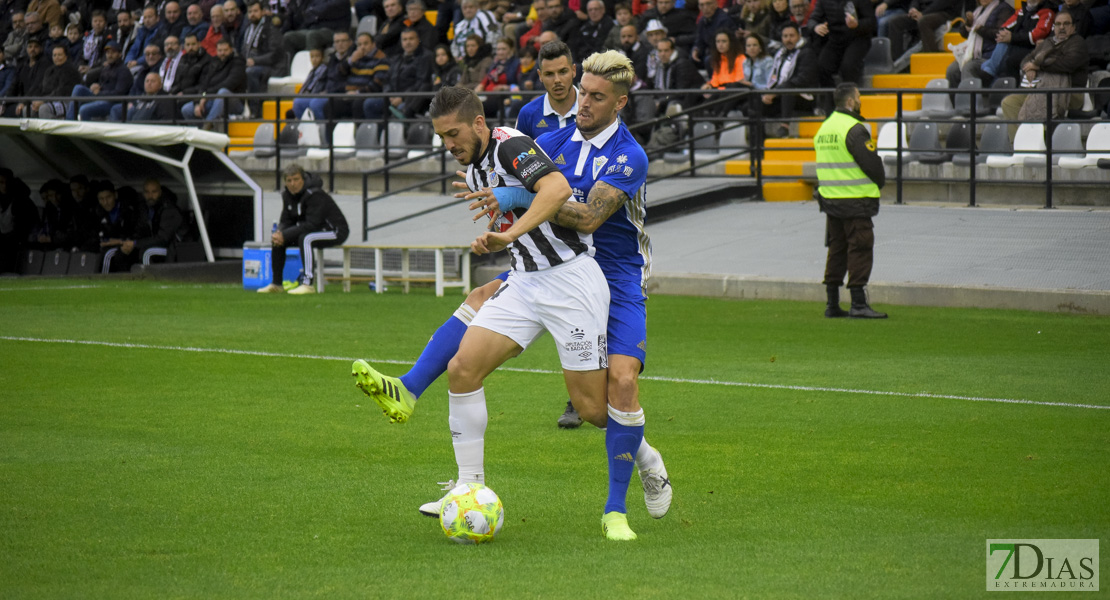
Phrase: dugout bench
pixel 406 273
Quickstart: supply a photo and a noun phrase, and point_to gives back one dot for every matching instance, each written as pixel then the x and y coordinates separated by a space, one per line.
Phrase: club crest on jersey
pixel 494 179
pixel 522 156
pixel 500 134
pixel 599 162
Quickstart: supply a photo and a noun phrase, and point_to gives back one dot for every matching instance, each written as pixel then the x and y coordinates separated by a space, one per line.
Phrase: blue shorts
pixel 627 331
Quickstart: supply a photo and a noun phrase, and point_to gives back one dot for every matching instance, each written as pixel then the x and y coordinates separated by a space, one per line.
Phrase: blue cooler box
pixel 256 265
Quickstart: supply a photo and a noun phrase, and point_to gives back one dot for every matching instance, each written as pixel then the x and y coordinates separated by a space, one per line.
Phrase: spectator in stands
pixel 216 30
pixel 368 70
pixel 473 66
pixel 9 80
pixel 847 27
pixel 92 48
pixel 794 67
pixel 779 16
pixel 445 71
pixel 114 80
pixel 474 22
pixel 151 31
pixel 528 72
pixel 1059 61
pixel 158 229
pixel 388 39
pixel 1081 13
pixel 712 20
pixel 590 36
pixel 152 63
pixel 116 222
pixel 501 77
pixel 887 10
pixel 754 17
pixel 175 25
pixel 410 72
pixel 59 227
pixel 534 25
pixel 316 82
pixel 50 11
pixel 311 23
pixel 801 12
pixel 727 62
pixel 310 219
pixel 563 22
pixel 654 33
pixel 757 65
pixel 31 72
pixel 58 81
pixel 676 72
pixel 261 47
pixel 171 64
pixel 681 24
pixel 338 71
pixel 74 37
pixel 227 76
pixel 19 218
pixel 154 106
pixel 984 23
pixel 233 22
pixel 57 37
pixel 414 12
pixel 124 33
pixel 17 37
pixel 195 64
pixel 637 52
pixel 922 20
pixel 35 30
pixel 624 17
pixel 515 20
pixel 1017 37
pixel 195 23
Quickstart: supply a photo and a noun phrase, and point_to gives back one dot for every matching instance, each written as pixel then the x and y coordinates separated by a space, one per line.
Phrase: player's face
pixel 107 200
pixel 152 193
pixel 557 76
pixel 459 137
pixel 598 105
pixel 294 183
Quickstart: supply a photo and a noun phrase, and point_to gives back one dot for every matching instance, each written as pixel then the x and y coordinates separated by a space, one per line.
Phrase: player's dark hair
pixel 456 100
pixel 843 93
pixel 553 50
pixel 789 25
pixel 105 186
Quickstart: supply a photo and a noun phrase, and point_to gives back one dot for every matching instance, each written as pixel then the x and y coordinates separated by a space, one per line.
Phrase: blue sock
pixel 443 345
pixel 623 434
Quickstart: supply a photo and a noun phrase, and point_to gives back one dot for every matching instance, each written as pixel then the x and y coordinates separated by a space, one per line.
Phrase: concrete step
pixel 787 149
pixel 902 80
pixel 270 109
pixel 885 106
pixel 931 63
pixel 771 168
pixel 787 191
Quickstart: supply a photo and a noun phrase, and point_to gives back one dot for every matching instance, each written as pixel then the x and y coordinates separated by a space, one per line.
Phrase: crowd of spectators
pixel 119 225
pixel 95 53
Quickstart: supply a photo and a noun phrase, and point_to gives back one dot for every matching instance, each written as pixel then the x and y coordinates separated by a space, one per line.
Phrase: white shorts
pixel 571 301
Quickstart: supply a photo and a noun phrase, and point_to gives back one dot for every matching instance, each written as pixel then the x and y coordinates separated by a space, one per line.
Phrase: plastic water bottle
pixel 850 9
pixel 273 229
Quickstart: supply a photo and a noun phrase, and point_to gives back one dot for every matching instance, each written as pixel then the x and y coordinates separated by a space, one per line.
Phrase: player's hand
pixel 822 29
pixel 490 242
pixel 462 185
pixel 277 239
pixel 484 201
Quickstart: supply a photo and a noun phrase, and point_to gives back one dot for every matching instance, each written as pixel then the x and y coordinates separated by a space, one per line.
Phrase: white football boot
pixel 657 489
pixel 431 509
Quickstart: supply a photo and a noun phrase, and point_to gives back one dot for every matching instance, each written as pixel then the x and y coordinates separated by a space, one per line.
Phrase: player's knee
pixel 478 296
pixel 594 413
pixel 461 375
pixel 624 391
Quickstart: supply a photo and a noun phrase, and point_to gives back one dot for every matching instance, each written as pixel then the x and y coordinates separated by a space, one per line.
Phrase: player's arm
pixel 552 192
pixel 586 217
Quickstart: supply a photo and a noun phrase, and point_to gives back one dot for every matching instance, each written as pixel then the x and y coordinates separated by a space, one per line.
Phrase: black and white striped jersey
pixel 514 159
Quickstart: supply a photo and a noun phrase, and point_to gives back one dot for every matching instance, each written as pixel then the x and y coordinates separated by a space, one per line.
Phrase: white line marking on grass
pixel 50 287
pixel 770 386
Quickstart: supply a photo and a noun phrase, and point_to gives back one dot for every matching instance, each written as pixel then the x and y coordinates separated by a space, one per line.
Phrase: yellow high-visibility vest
pixel 838 174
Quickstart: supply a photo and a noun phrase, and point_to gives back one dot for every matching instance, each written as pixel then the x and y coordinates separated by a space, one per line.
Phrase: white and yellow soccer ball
pixel 471 513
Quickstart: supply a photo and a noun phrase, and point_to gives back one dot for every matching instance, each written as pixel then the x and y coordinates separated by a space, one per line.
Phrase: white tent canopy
pixel 173 147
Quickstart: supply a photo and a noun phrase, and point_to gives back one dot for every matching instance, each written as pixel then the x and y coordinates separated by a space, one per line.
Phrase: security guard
pixel 850 174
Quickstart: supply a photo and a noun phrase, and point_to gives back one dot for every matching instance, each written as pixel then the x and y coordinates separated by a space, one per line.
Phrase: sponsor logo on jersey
pixel 559 160
pixel 577 333
pixel 542 123
pixel 500 134
pixel 628 171
pixel 622 159
pixel 522 156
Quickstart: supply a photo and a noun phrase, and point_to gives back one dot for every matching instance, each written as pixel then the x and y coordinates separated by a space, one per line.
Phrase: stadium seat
pixel 705 147
pixel 878 59
pixel 289 141
pixel 734 138
pixel 963 101
pixel 343 140
pixel 959 142
pixel 368 141
pixel 312 138
pixel 994 142
pixel 83 263
pixel 298 71
pixel 1006 85
pixel 888 142
pixel 934 105
pixel 1098 146
pixel 264 141
pixel 1067 141
pixel 925 144
pixel 1028 141
pixel 55 262
pixel 395 139
pixel 30 262
pixel 368 24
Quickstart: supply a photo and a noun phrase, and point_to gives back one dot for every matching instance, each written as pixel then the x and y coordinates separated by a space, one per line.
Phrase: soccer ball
pixel 471 514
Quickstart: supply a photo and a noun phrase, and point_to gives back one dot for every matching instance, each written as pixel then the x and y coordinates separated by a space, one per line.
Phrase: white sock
pixel 465 314
pixel 647 457
pixel 467 418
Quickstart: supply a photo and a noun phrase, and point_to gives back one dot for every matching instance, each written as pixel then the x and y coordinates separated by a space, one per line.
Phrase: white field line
pixel 50 287
pixel 771 386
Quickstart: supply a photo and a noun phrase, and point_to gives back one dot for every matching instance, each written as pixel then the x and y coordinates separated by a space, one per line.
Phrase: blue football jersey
pixel 533 121
pixel 621 244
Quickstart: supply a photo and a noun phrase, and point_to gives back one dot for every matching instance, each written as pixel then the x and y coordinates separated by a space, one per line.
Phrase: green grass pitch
pixel 810 457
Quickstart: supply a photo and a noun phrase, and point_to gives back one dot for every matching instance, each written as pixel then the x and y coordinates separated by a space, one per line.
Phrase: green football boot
pixel 397 402
pixel 615 527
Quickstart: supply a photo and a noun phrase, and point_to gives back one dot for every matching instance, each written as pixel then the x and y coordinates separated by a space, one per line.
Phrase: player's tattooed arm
pixel 586 217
